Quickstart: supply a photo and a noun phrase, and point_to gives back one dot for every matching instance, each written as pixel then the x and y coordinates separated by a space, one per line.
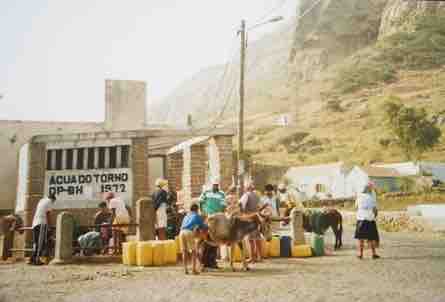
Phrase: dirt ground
pixel 412 268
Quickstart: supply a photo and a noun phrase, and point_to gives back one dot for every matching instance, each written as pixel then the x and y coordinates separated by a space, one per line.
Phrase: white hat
pixel 215 181
pixel 281 186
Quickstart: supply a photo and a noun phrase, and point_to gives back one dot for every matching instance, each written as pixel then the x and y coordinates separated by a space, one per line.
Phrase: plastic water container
pixel 178 245
pixel 285 246
pixel 301 251
pixel 170 252
pixel 236 254
pixel 158 253
pixel 144 253
pixel 129 253
pixel 274 250
pixel 317 244
pixel 265 246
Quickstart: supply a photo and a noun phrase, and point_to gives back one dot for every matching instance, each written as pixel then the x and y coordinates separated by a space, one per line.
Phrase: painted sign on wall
pixel 75 187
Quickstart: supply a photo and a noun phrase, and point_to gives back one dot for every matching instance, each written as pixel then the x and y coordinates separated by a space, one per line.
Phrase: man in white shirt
pixel 40 223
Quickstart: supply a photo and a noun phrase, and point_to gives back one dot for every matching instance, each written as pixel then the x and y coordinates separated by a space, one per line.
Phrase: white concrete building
pixel 320 181
pixel 435 169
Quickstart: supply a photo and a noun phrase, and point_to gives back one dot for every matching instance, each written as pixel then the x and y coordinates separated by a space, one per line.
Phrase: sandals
pixel 375 256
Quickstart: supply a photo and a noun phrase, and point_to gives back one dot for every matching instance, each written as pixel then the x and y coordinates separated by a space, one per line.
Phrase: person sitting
pixel 192 228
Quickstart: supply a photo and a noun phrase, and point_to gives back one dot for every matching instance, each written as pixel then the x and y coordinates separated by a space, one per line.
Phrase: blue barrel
pixel 285 246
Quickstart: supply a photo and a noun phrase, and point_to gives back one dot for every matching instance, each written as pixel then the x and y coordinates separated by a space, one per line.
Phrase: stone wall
pixel 175 166
pixel 139 157
pixel 225 149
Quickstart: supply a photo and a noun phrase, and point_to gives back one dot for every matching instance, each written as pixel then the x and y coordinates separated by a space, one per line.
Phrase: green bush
pixel 420 49
pixel 363 75
pixel 423 48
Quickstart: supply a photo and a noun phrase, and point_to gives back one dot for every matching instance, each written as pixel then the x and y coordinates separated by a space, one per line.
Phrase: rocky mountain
pixel 329 72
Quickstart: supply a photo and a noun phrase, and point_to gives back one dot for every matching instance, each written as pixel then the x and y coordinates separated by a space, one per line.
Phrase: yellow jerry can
pixel 274 247
pixel 170 252
pixel 129 253
pixel 144 253
pixel 302 250
pixel 178 245
pixel 265 246
pixel 158 253
pixel 236 254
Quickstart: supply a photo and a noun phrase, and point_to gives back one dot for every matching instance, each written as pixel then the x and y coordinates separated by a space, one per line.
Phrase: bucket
pixel 274 247
pixel 317 244
pixel 170 252
pixel 285 246
pixel 301 251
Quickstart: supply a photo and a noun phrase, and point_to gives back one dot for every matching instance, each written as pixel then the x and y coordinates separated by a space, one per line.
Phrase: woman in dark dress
pixel 366 228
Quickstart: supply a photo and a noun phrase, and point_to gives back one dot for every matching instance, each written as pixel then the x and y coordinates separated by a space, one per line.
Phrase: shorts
pixel 161 217
pixel 255 235
pixel 121 219
pixel 187 240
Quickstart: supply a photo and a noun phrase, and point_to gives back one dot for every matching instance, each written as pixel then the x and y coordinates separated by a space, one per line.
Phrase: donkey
pixel 238 228
pixel 319 222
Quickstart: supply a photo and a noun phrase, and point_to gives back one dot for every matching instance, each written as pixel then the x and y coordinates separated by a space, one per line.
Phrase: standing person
pixel 212 202
pixel 287 198
pixel 232 201
pixel 366 228
pixel 192 225
pixel 103 217
pixel 40 224
pixel 271 200
pixel 250 203
pixel 120 216
pixel 9 224
pixel 160 202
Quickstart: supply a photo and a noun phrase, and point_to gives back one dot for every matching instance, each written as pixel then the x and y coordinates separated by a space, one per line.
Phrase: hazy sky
pixel 55 54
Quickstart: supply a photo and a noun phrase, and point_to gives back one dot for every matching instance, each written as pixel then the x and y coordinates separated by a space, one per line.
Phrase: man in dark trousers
pixel 40 224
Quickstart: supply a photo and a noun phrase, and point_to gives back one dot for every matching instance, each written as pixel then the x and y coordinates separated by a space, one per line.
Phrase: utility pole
pixel 241 164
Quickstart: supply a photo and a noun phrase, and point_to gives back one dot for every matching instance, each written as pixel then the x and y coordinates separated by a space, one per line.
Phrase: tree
pixel 413 131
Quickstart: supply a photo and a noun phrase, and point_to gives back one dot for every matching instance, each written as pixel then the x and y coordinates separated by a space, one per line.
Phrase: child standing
pixel 192 228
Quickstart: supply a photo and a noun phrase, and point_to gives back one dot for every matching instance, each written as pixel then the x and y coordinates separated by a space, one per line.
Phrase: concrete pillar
pixel 64 238
pixel 175 166
pixel 297 230
pixel 225 151
pixel 198 168
pixel 145 218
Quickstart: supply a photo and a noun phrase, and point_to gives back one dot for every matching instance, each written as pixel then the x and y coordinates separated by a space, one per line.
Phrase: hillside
pixel 331 73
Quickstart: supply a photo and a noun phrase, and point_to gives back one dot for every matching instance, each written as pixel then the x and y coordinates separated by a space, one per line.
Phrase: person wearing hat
pixel 285 197
pixel 212 202
pixel 160 202
pixel 40 224
pixel 366 227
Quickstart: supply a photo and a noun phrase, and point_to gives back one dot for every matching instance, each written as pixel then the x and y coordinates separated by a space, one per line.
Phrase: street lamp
pixel 242 33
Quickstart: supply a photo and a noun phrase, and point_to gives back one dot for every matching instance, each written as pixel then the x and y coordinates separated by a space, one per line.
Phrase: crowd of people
pixel 112 221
